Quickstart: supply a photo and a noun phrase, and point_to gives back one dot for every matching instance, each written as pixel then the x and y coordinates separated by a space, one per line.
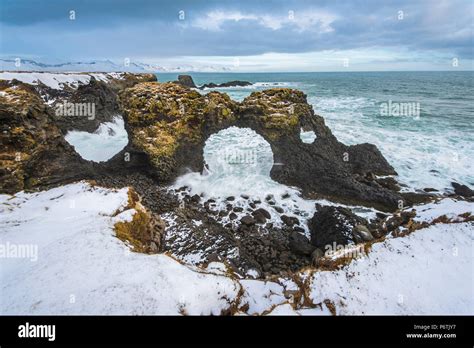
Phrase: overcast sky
pixel 245 35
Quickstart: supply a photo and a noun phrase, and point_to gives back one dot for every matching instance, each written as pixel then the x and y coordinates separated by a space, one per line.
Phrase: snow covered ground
pixel 430 271
pixel 72 263
pixel 57 80
pixel 450 207
pixel 82 268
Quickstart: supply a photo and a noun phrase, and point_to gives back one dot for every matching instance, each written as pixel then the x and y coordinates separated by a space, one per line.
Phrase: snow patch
pixel 426 272
pixel 449 206
pixel 261 296
pixel 82 268
pixel 57 80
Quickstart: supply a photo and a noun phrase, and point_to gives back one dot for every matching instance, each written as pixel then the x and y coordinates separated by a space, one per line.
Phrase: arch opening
pixel 108 140
pixel 237 169
pixel 307 137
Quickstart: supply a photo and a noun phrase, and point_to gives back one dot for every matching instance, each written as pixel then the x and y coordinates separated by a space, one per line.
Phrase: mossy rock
pixel 145 231
pixel 164 119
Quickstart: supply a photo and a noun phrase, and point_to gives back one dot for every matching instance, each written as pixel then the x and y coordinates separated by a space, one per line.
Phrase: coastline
pixel 255 242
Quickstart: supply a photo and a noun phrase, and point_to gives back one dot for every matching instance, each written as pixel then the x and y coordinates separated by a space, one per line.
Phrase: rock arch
pixel 170 124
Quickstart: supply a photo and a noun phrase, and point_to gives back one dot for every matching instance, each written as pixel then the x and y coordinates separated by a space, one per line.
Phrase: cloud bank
pixel 265 35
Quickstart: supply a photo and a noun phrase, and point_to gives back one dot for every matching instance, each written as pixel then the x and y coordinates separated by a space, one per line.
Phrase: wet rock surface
pixel 186 81
pixel 235 83
pixel 462 190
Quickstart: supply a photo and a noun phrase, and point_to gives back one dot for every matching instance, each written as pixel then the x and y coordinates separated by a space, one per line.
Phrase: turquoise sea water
pixel 429 150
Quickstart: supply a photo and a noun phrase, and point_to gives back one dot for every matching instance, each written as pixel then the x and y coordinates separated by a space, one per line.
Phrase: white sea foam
pixel 103 144
pixel 274 84
pixel 256 85
pixel 307 137
pixel 239 163
pixel 423 153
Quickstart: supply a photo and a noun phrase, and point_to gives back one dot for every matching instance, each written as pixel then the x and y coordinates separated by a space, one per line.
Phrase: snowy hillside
pixel 57 80
pixel 82 268
pixel 76 265
pixel 10 64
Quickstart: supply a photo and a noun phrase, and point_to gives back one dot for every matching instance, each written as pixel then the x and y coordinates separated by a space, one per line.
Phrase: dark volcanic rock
pixel 300 244
pixel 195 198
pixel 186 80
pixel 226 84
pixel 247 220
pixel 334 225
pixel 289 220
pixel 34 153
pixel 366 158
pixel 411 198
pixel 279 209
pixel 105 102
pixel 462 190
pixel 261 215
pixel 389 183
pixel 168 125
pixel 103 95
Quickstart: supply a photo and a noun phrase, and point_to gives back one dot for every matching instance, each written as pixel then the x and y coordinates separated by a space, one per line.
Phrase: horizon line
pixel 231 72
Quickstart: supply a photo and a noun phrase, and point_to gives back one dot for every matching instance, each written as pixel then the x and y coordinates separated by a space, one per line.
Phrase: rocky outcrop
pixel 127 80
pixel 98 93
pixel 144 232
pixel 102 94
pixel 33 150
pixel 462 190
pixel 170 124
pixel 337 225
pixel 235 83
pixel 300 244
pixel 186 81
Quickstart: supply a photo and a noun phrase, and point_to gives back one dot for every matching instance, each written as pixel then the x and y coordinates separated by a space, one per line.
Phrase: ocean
pixel 429 145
